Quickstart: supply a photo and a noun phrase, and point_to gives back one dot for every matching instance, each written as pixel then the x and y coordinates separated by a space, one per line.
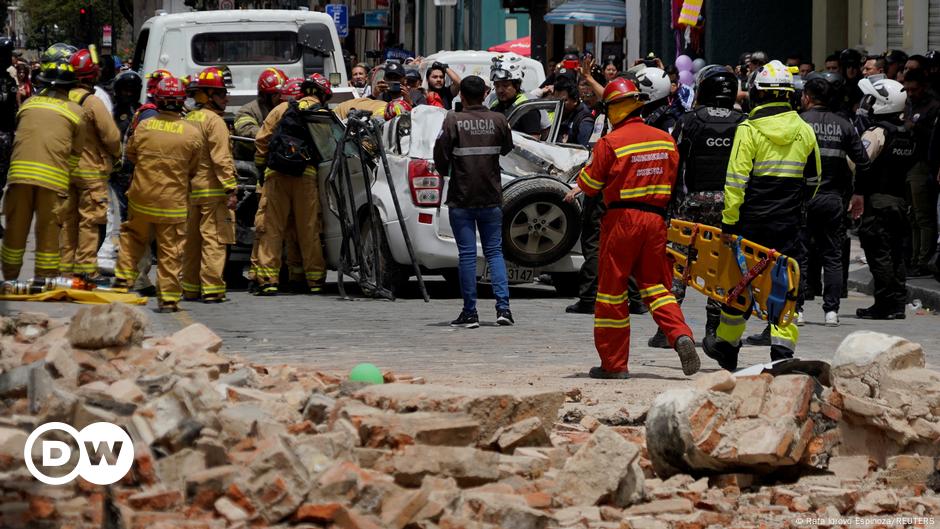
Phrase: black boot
pixel 580 307
pixel 658 340
pixel 779 352
pixel 711 323
pixel 722 352
pixel 759 339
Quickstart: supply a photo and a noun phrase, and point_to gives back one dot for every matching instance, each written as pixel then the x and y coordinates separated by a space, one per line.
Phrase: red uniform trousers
pixel 633 243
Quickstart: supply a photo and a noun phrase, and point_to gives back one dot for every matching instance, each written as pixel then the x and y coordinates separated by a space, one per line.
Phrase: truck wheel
pixel 395 276
pixel 539 227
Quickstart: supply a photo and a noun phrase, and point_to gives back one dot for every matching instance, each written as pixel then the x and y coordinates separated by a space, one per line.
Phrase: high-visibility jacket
pixel 216 175
pixel 773 154
pixel 49 141
pixel 165 150
pixel 102 140
pixel 634 163
pixel 267 131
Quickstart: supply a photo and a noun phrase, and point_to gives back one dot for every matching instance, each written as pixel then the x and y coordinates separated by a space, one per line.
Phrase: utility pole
pixel 458 26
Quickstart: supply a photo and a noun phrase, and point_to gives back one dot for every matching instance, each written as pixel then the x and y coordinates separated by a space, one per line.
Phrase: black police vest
pixel 711 134
pixel 890 168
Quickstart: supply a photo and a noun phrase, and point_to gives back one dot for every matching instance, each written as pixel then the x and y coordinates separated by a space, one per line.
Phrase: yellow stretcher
pixel 714 269
pixel 97 296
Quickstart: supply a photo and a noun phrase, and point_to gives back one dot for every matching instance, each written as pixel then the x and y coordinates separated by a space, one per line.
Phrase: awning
pixel 590 13
pixel 521 46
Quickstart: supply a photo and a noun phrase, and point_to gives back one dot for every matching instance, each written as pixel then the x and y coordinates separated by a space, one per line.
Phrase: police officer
pixel 165 150
pixel 211 220
pixel 773 153
pixel 46 149
pixel 127 86
pixel 8 108
pixel 825 227
pixel 704 137
pixel 634 167
pixel 285 195
pixel 507 75
pixel 87 206
pixel 879 196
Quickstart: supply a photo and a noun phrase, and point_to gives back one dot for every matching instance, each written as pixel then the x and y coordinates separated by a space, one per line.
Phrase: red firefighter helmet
pixel 85 65
pixel 320 85
pixel 153 79
pixel 622 98
pixel 213 78
pixel 291 89
pixel 396 107
pixel 170 93
pixel 270 80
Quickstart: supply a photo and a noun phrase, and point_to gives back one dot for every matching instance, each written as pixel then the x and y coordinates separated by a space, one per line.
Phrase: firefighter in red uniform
pixel 635 168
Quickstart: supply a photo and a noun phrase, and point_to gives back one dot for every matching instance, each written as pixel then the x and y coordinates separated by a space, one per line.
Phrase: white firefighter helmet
pixel 654 82
pixel 507 68
pixel 773 76
pixel 884 96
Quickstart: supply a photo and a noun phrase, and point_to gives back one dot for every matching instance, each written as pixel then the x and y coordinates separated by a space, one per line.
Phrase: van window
pixel 258 47
pixel 141 50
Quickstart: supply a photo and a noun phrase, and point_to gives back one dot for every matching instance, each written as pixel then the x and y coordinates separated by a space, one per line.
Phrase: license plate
pixel 514 273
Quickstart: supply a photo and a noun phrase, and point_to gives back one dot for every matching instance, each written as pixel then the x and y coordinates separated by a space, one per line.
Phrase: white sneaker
pixel 800 319
pixel 832 319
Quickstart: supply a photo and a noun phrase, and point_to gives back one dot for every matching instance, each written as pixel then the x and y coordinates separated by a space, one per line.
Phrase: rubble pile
pixel 221 443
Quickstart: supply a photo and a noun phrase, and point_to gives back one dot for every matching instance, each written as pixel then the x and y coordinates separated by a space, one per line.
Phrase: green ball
pixel 367 373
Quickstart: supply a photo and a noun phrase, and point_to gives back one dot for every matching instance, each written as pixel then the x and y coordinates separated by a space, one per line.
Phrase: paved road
pixel 547 348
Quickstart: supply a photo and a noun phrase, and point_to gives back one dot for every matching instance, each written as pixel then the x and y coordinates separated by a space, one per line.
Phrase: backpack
pixel 292 148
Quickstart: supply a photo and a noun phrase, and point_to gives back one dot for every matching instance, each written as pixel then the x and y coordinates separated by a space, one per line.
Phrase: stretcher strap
pixel 691 256
pixel 748 276
pixel 779 291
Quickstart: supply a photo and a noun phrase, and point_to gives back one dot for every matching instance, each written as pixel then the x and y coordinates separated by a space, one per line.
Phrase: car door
pixel 551 106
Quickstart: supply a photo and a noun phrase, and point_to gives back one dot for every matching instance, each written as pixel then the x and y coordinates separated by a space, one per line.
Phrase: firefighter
pixel 634 166
pixel 86 209
pixel 210 225
pixel 285 195
pixel 165 150
pixel 773 154
pixel 880 196
pixel 46 150
pixel 249 118
pixel 704 137
pixel 8 107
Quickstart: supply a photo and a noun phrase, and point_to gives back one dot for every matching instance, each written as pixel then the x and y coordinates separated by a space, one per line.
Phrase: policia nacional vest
pixel 896 159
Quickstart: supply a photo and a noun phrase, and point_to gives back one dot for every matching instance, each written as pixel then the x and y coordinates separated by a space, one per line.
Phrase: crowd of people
pixel 782 155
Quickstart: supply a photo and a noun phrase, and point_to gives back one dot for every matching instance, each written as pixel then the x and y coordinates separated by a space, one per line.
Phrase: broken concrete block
pixel 908 470
pixel 883 384
pixel 506 511
pixel 15 382
pixel 468 466
pixel 318 408
pixel 603 470
pixel 196 337
pixel 399 509
pixel 112 325
pixel 877 502
pixel 673 505
pixel 850 468
pixel 175 468
pixel 720 380
pixel 492 408
pixel 525 433
pixel 61 363
pixel 126 390
pixel 230 510
pixel 12 443
pixel 156 500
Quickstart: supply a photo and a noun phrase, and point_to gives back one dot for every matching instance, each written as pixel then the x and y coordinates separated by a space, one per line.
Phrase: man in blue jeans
pixel 468 149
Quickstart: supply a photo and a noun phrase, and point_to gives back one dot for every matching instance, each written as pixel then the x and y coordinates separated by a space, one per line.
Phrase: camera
pixel 650 63
pixel 394 87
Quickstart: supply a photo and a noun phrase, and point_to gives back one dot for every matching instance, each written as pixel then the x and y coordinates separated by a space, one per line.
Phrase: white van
pixel 479 62
pixel 247 41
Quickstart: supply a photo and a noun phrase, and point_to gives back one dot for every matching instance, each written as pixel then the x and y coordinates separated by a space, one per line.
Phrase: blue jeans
pixel 465 222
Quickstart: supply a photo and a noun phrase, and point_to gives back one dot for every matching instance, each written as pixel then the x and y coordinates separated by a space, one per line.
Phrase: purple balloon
pixel 683 63
pixel 686 77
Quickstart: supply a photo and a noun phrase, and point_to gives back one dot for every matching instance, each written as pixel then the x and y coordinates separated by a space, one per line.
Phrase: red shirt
pixel 633 163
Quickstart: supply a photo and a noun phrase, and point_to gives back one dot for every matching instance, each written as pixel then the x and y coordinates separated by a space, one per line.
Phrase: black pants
pixel 823 239
pixel 881 233
pixel 592 212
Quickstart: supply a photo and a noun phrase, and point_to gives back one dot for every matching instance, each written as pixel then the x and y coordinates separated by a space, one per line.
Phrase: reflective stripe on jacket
pixel 216 174
pixel 632 163
pixel 165 150
pixel 48 142
pixel 773 154
pixel 102 139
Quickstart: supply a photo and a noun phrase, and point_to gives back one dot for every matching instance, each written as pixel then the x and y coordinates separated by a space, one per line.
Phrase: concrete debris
pixel 220 443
